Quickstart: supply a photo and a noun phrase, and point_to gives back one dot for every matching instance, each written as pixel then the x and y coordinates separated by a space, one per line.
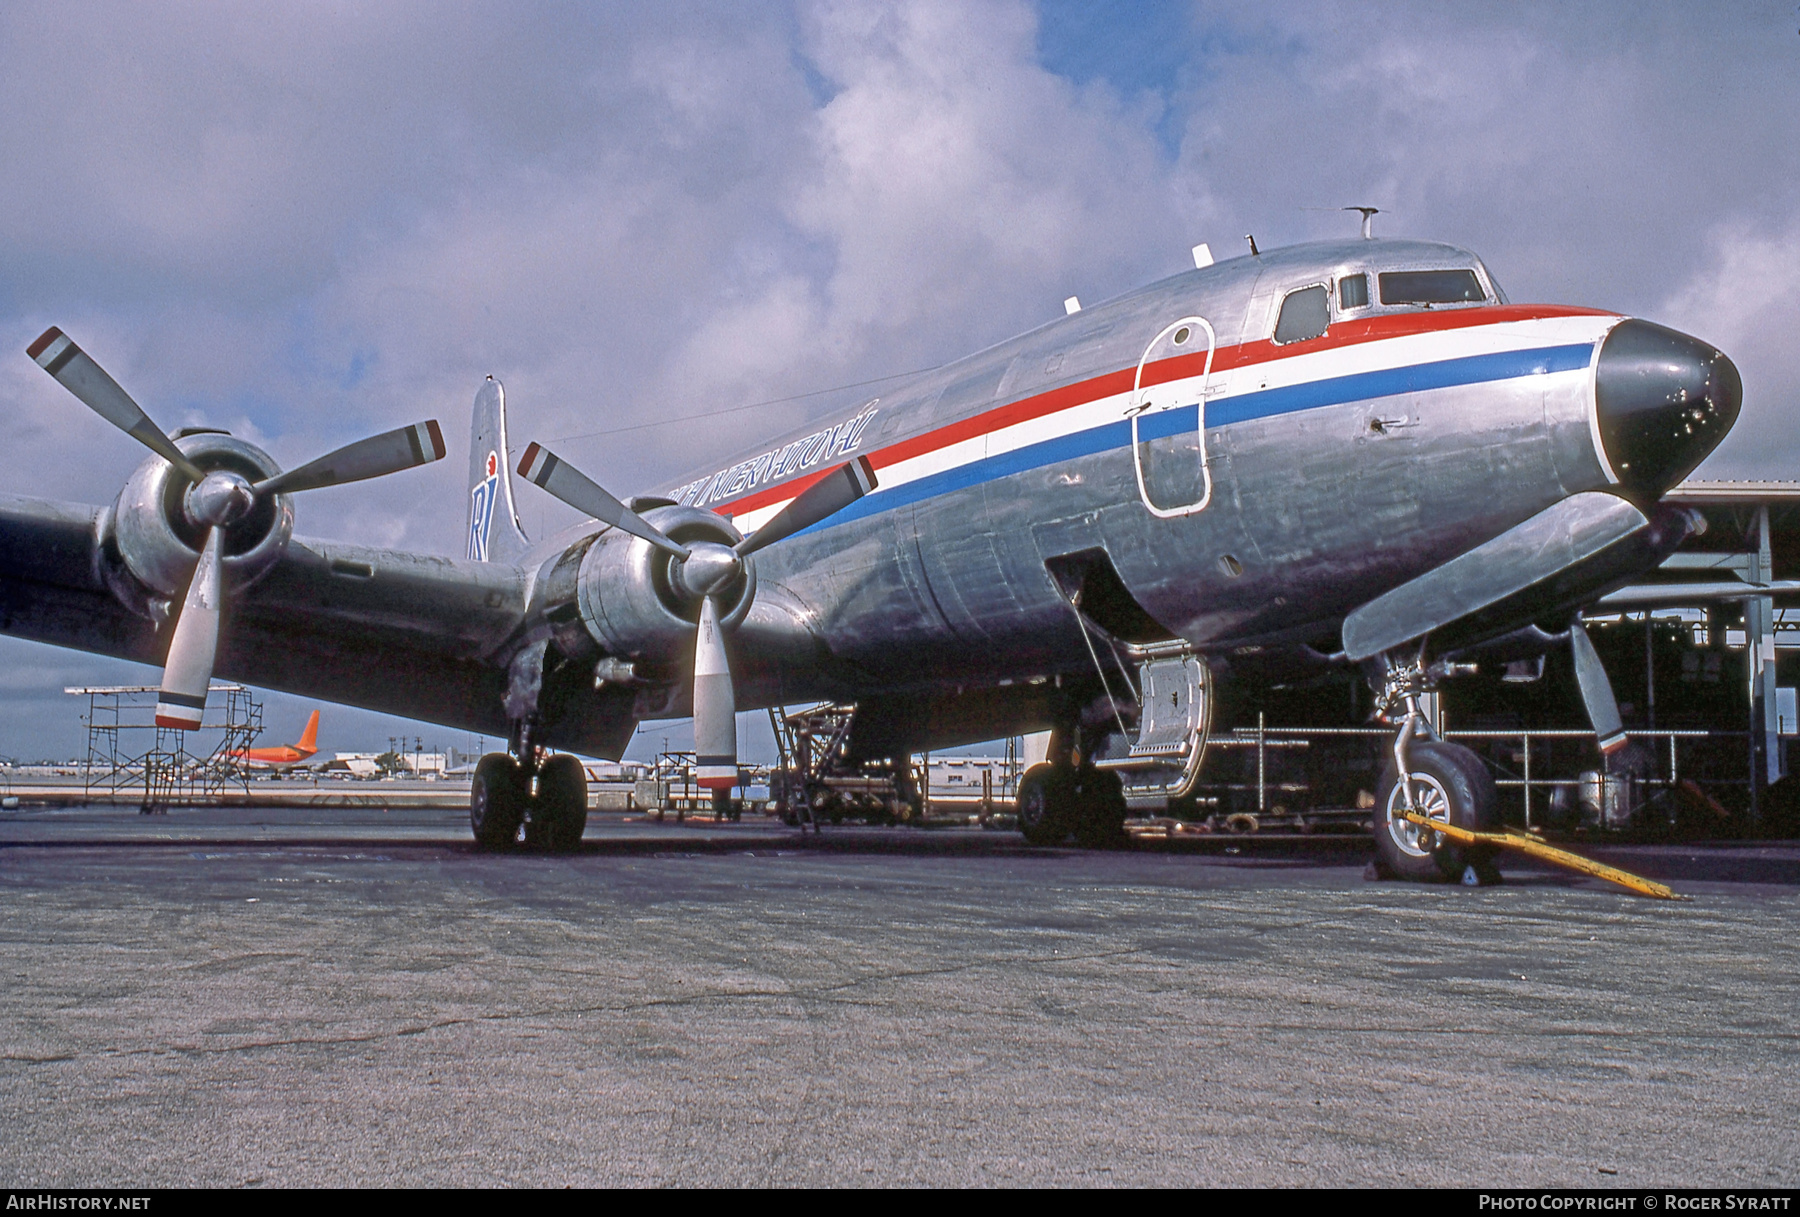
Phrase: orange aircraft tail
pixel 309 738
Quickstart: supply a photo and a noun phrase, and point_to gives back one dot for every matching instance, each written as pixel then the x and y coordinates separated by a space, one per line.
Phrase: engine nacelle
pixel 628 600
pixel 148 532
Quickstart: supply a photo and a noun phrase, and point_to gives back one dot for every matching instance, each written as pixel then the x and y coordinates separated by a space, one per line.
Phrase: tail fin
pixel 309 738
pixel 494 531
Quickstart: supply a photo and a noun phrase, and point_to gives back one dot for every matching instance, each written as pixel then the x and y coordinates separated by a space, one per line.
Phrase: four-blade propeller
pixel 703 571
pixel 215 501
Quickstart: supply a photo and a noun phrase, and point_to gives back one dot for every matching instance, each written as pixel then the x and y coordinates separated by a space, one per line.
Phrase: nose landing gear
pixel 1439 781
pixel 1449 785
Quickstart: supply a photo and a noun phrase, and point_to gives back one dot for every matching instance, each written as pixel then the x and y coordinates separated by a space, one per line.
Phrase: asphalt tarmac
pixel 356 997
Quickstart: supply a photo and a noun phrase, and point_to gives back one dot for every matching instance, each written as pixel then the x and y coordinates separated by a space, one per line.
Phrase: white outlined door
pixel 1162 396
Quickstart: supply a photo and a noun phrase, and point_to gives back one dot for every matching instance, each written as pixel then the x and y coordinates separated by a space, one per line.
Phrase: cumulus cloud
pixel 1585 150
pixel 956 176
pixel 1746 301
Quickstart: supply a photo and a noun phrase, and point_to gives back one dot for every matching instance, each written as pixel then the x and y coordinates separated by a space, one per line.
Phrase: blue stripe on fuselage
pixel 1265 403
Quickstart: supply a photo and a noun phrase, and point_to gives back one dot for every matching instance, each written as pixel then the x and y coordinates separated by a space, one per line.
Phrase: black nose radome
pixel 1665 400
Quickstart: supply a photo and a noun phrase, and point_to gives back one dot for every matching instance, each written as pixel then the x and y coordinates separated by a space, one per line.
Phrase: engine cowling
pixel 631 599
pixel 149 544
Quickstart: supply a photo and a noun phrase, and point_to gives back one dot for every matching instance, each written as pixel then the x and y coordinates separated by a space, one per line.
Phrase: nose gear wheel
pixel 1430 800
pixel 1452 786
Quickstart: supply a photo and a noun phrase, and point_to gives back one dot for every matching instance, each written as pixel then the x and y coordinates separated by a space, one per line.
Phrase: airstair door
pixel 1168 419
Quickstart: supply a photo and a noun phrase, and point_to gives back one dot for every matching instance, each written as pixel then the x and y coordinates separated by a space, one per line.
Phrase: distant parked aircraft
pixel 287 754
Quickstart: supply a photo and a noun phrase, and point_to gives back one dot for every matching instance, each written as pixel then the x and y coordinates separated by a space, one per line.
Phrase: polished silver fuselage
pixel 1321 500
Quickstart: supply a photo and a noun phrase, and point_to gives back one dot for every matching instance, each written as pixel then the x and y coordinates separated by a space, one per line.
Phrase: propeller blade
pixel 715 705
pixel 377 456
pixel 575 488
pixel 76 371
pixel 1596 690
pixel 824 498
pixel 188 672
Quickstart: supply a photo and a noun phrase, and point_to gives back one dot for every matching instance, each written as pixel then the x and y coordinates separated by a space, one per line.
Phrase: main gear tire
pixel 1046 804
pixel 559 813
pixel 497 798
pixel 1449 784
pixel 1100 810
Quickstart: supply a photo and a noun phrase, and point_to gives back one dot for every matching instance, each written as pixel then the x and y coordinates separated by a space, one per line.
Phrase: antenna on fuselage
pixel 1368 215
pixel 1254 252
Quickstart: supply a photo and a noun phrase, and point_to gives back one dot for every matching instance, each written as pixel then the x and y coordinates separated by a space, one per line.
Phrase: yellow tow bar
pixel 1549 853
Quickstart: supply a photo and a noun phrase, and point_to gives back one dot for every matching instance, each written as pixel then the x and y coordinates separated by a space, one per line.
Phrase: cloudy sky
pixel 310 222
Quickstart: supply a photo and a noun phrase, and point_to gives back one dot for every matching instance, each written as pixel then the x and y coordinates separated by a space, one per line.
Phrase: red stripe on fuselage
pixel 1177 367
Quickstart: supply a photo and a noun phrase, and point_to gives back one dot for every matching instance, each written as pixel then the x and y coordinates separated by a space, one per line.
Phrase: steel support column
pixel 1759 653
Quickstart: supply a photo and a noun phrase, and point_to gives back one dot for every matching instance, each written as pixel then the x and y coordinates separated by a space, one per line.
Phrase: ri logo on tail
pixel 481 509
pixel 494 532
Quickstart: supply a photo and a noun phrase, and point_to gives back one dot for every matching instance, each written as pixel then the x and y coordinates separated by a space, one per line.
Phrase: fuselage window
pixel 1353 291
pixel 1304 314
pixel 1431 287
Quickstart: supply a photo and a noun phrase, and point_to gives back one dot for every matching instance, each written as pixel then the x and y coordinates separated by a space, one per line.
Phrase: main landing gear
pixel 1059 800
pixel 1444 782
pixel 502 801
pixel 1069 796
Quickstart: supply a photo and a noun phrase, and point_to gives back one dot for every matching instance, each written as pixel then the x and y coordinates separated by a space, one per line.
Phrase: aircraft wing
pixel 50 586
pixel 402 633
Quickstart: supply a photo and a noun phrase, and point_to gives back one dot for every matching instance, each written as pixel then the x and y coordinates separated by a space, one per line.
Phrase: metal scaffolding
pixel 169 771
pixel 812 780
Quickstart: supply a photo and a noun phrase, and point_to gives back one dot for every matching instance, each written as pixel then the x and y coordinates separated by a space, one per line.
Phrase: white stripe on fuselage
pixel 1406 350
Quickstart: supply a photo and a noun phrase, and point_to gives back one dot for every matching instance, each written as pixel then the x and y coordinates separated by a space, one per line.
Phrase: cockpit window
pixel 1304 314
pixel 1353 291
pixel 1431 287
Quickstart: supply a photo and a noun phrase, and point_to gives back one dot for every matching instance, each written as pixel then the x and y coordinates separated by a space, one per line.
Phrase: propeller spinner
pixel 214 501
pixel 703 571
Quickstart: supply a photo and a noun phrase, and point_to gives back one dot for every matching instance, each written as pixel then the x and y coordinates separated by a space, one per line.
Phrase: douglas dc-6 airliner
pixel 1354 454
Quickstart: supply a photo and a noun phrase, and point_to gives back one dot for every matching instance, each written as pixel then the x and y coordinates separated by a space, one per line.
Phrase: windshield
pixel 1431 287
pixel 1304 314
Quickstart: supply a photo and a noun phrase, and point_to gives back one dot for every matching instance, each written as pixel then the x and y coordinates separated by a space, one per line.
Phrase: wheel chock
pixel 1549 853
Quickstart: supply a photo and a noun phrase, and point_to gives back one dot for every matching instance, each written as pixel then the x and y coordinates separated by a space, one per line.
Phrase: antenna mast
pixel 1368 216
